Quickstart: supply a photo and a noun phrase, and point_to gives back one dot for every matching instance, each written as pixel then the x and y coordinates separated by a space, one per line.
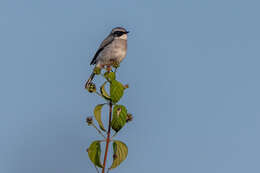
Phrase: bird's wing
pixel 105 43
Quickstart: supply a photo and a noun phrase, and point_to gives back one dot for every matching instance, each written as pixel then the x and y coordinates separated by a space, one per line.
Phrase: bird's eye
pixel 118 33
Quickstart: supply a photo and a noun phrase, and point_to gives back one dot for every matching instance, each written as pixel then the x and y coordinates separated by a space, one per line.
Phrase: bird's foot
pixel 109 68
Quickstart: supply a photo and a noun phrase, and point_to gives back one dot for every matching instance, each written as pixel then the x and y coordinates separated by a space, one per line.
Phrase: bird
pixel 112 50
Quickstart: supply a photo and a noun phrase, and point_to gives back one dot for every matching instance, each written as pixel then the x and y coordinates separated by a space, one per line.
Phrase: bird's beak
pixel 127 32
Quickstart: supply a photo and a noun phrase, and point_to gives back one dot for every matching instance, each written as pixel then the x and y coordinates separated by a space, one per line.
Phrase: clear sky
pixel 193 70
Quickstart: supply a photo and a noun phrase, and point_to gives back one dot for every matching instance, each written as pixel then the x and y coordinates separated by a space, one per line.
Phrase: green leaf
pixel 94 153
pixel 97 113
pixel 104 92
pixel 120 153
pixel 110 76
pixel 116 91
pixel 119 117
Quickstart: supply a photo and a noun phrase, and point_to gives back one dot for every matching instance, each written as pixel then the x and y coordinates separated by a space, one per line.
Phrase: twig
pixel 108 137
pixel 97 169
pixel 114 135
pixel 98 94
pixel 98 130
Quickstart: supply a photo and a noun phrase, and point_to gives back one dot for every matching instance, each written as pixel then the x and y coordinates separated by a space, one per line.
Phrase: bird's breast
pixel 120 47
pixel 116 51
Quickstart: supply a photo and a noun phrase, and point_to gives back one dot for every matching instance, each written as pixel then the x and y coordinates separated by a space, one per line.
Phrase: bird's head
pixel 119 32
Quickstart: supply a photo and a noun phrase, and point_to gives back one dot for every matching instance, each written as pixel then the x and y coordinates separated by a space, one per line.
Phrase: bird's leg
pixel 109 68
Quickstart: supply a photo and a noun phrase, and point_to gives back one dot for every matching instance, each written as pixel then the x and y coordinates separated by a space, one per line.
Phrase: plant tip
pixel 129 118
pixel 126 86
pixel 89 120
pixel 91 87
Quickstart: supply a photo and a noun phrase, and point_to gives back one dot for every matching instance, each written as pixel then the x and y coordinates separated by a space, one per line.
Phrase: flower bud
pixel 129 117
pixel 115 64
pixel 97 70
pixel 89 120
pixel 91 87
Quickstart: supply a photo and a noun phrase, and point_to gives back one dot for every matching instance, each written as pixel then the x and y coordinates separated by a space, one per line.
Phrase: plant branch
pixel 114 135
pixel 98 130
pixel 96 169
pixel 108 137
pixel 98 94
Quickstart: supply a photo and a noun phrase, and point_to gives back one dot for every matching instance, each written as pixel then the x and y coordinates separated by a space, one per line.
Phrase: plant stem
pixel 108 137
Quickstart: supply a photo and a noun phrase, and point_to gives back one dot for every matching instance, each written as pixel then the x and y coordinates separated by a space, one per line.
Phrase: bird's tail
pixel 89 80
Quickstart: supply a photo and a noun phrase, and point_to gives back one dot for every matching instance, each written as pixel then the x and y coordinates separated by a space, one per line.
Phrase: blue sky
pixel 193 70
